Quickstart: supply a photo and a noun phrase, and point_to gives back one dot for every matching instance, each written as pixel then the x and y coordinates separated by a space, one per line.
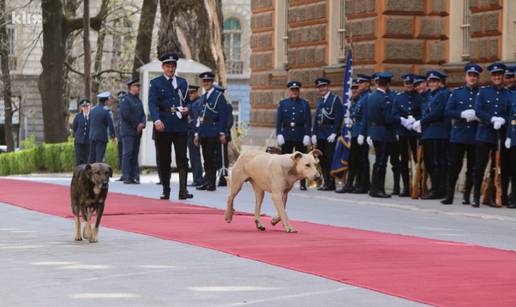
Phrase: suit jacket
pixel 131 115
pixel 81 130
pixel 293 119
pixel 213 116
pixel 164 98
pixel 461 99
pixel 101 122
pixel 329 114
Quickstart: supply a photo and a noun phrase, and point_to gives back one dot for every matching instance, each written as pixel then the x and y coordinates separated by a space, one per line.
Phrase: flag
pixel 340 163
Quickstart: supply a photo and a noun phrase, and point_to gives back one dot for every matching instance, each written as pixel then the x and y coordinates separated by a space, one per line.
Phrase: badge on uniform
pixel 173 109
pixel 292 124
pixel 201 119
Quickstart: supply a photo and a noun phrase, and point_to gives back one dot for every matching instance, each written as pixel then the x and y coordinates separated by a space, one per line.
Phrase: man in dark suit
pixel 81 132
pixel 132 124
pixel 224 147
pixel 169 112
pixel 101 121
pixel 118 123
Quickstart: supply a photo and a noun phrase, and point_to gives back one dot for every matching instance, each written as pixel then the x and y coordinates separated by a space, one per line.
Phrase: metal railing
pixel 234 67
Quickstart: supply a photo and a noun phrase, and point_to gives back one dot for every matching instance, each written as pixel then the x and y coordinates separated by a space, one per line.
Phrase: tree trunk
pixel 193 29
pixel 6 79
pixel 98 60
pixel 87 49
pixel 144 37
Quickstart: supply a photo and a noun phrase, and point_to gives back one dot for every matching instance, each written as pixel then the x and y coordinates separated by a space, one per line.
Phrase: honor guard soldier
pixel 435 134
pixel 407 104
pixel 510 142
pixel 358 175
pixel 101 122
pixel 169 112
pixel 460 109
pixel 293 123
pixel 194 111
pixel 510 79
pixel 211 128
pixel 81 132
pixel 223 167
pixel 492 107
pixel 132 124
pixel 329 115
pixel 117 121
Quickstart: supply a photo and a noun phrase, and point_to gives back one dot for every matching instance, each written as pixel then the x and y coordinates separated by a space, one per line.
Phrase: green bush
pixel 52 158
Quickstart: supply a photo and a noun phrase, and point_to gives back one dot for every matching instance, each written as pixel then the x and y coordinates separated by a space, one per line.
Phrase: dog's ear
pixel 317 153
pixel 296 156
pixel 110 170
pixel 87 168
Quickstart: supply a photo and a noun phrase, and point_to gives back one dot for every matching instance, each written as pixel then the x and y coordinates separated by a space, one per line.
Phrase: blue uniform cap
pixel 511 70
pixel 473 68
pixel 192 87
pixel 496 67
pixel 121 94
pixel 374 76
pixel 408 78
pixel 104 95
pixel 169 58
pixel 363 78
pixel 354 83
pixel 321 81
pixel 84 102
pixel 384 75
pixel 294 84
pixel 419 79
pixel 208 75
pixel 434 74
pixel 133 81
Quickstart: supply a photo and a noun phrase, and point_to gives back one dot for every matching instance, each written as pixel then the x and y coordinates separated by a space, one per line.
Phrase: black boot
pixel 363 183
pixel 450 191
pixel 505 191
pixel 183 192
pixel 302 185
pixel 476 194
pixel 376 184
pixel 396 186
pixel 406 185
pixel 467 190
pixel 383 174
pixel 434 192
pixel 165 182
pixel 324 186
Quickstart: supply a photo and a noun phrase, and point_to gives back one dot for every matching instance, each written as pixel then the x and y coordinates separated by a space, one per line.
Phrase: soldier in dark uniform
pixel 408 105
pixel 510 142
pixel 81 133
pixel 329 115
pixel 510 80
pixel 229 124
pixel 132 124
pixel 101 122
pixel 118 124
pixel 435 134
pixel 358 175
pixel 169 112
pixel 293 123
pixel 211 128
pixel 194 107
pixel 381 121
pixel 460 109
pixel 492 107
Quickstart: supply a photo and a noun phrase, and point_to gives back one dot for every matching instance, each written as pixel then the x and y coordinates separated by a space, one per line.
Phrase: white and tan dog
pixel 275 174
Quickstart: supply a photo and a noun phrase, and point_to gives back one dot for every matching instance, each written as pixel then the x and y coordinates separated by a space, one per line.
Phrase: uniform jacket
pixel 407 104
pixel 131 115
pixel 164 98
pixel 379 116
pixel 356 112
pixel 329 114
pixel 293 119
pixel 213 115
pixel 433 122
pixel 461 99
pixel 81 130
pixel 491 101
pixel 101 122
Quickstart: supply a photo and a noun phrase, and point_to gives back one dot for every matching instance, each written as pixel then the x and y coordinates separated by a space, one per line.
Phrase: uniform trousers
pixel 97 151
pixel 210 145
pixel 435 158
pixel 82 152
pixel 457 152
pixel 326 160
pixel 194 154
pixel 164 141
pixel 131 148
pixel 405 142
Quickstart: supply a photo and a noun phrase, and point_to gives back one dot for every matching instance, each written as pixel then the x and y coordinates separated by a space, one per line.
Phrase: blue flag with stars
pixel 340 163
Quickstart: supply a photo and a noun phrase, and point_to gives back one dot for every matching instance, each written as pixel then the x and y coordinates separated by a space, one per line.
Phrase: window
pixel 280 34
pixel 233 46
pixel 337 31
pixel 236 112
pixel 465 31
pixel 460 37
pixel 509 30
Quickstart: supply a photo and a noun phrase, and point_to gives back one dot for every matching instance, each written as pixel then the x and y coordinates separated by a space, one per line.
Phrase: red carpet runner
pixel 423 270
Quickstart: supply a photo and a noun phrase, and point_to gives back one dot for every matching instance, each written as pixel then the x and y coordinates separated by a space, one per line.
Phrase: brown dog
pixel 89 189
pixel 275 174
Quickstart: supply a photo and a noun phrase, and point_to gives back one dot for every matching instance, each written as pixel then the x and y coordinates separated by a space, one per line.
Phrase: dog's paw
pixel 228 216
pixel 259 225
pixel 92 241
pixel 275 220
pixel 78 239
pixel 290 230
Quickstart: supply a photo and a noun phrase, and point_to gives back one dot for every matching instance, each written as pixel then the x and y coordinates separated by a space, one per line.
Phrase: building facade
pixel 306 39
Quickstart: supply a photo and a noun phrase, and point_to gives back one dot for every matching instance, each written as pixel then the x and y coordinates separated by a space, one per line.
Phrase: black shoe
pixel 359 190
pixel 120 179
pixel 466 201
pixel 211 188
pixel 136 181
pixel 511 206
pixel 379 195
pixel 396 191
pixel 158 183
pixel 185 195
pixel 128 182
pixel 202 187
pixel 404 193
pixel 302 188
pixel 431 196
pixel 476 203
pixel 447 201
pixel 165 195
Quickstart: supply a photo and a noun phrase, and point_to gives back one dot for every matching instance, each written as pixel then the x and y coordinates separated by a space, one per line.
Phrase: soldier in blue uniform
pixel 492 107
pixel 229 124
pixel 510 142
pixel 81 133
pixel 460 109
pixel 211 128
pixel 358 176
pixel 194 106
pixel 169 111
pixel 408 105
pixel 293 123
pixel 118 124
pixel 381 122
pixel 132 124
pixel 435 134
pixel 101 122
pixel 510 81
pixel 329 115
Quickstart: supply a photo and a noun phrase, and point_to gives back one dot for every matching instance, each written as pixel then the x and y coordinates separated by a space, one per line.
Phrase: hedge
pixel 53 158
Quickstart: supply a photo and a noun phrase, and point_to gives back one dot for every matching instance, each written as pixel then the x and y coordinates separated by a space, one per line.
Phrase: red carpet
pixel 423 270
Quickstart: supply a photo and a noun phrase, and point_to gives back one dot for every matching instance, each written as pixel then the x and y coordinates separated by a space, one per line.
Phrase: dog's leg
pixel 77 219
pixel 259 193
pixel 86 233
pixel 275 220
pixel 95 234
pixel 235 184
pixel 277 197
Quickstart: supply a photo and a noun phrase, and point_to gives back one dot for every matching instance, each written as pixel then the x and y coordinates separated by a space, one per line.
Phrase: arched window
pixel 233 46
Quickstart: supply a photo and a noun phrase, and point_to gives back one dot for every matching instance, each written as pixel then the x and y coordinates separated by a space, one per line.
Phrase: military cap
pixel 408 78
pixel 473 68
pixel 363 78
pixel 169 58
pixel 84 102
pixel 384 75
pixel 294 84
pixel 208 75
pixel 374 76
pixel 120 94
pixel 322 81
pixel 434 74
pixel 511 70
pixel 104 95
pixel 496 67
pixel 419 79
pixel 192 88
pixel 133 81
pixel 354 83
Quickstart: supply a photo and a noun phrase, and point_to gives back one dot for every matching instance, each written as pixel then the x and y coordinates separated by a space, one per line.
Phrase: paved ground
pixel 42 266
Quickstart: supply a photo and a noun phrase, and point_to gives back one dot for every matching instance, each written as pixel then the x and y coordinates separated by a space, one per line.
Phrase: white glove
pixel 397 137
pixel 179 115
pixel 508 143
pixel 348 121
pixel 497 122
pixel 369 141
pixel 407 122
pixel 314 139
pixel 281 140
pixel 416 126
pixel 306 140
pixel 331 138
pixel 360 139
pixel 468 115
